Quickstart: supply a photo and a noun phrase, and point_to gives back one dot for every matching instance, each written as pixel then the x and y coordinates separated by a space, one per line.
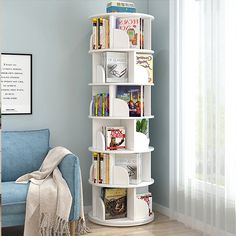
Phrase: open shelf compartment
pixel 138 211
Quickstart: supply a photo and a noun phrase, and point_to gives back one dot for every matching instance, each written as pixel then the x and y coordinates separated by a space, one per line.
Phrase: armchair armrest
pixel 70 169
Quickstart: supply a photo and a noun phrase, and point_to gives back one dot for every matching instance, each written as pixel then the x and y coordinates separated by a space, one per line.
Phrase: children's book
pixel 115 138
pixel 133 165
pixel 132 95
pixel 115 201
pixel 146 61
pixel 132 27
pixel 116 67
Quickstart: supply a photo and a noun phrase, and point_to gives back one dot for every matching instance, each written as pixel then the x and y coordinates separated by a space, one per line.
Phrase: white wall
pixel 57 33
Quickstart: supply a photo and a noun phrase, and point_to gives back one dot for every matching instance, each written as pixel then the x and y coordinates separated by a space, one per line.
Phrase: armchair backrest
pixel 23 152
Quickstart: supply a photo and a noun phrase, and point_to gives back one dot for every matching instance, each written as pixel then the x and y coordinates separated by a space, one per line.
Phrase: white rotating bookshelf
pixel 136 143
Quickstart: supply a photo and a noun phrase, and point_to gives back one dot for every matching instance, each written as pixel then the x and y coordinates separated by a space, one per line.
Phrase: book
pixel 133 164
pixel 132 95
pixel 116 67
pixel 95 167
pixel 146 61
pixel 94 37
pixel 115 201
pixel 118 6
pixel 147 197
pixel 132 27
pixel 100 104
pixel 115 138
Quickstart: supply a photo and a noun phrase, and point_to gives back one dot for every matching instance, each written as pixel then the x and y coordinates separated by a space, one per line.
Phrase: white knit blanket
pixel 49 199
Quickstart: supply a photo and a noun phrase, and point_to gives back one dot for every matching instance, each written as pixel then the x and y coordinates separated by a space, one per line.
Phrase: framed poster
pixel 16 83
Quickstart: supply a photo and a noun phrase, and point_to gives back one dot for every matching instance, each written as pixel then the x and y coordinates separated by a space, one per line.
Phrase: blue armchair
pixel 23 152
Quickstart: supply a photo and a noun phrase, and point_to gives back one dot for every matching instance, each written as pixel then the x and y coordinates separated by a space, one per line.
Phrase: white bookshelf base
pixel 122 222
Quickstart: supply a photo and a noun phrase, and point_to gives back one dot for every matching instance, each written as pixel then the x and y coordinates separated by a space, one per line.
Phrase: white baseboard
pixel 161 209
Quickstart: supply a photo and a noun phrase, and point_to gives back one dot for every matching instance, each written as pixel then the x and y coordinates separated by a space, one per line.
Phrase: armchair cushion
pixel 23 152
pixel 14 197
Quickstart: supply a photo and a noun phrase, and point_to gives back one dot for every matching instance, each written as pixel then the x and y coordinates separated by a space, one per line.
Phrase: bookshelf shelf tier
pixel 142 184
pixel 120 117
pixel 128 84
pixel 122 50
pixel 123 222
pixel 131 15
pixel 92 149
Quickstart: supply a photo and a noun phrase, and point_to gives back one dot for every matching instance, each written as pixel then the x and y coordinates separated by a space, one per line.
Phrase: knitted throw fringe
pixel 82 227
pixel 50 227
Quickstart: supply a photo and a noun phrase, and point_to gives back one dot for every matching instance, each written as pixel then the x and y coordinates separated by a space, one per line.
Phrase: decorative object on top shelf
pixel 118 6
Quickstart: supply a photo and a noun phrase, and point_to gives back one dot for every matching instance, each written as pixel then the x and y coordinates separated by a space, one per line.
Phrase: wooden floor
pixel 162 226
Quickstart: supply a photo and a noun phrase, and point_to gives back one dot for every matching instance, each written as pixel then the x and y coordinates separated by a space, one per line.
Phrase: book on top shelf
pixel 146 61
pixel 118 6
pixel 115 201
pixel 132 95
pixel 115 138
pixel 135 30
pixel 116 67
pixel 133 164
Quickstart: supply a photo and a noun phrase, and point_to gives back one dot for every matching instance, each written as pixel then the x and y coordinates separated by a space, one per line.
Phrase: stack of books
pixel 100 104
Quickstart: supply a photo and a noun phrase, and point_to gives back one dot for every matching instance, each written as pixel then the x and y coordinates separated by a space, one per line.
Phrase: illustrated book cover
pixel 132 27
pixel 116 67
pixel 115 201
pixel 115 138
pixel 132 163
pixel 146 61
pixel 132 95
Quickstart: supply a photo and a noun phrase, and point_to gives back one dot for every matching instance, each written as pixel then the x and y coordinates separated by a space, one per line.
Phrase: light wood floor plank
pixel 162 226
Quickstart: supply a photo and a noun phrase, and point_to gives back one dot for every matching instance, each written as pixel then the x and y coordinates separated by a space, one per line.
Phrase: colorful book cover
pixel 115 138
pixel 132 27
pixel 133 165
pixel 116 67
pixel 115 201
pixel 132 95
pixel 146 61
pixel 147 197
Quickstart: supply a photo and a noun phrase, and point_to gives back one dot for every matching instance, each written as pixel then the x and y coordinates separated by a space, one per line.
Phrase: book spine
pixel 94 33
pixel 107 105
pixel 102 32
pixel 103 104
pixel 106 33
pixel 100 104
pixel 143 34
pixel 96 104
pixel 101 168
pixel 95 165
pixel 98 34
